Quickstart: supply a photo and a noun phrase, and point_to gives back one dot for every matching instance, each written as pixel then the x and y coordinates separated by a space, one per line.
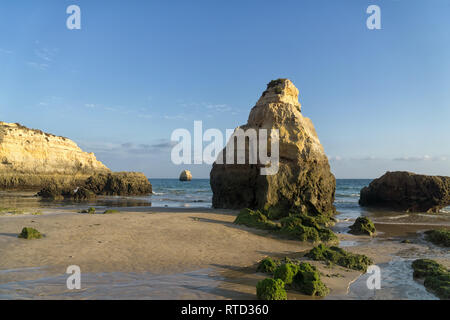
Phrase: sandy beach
pixel 168 242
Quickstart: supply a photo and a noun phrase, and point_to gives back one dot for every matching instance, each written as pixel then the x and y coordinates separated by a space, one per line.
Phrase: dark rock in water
pixel 186 175
pixel 53 192
pixel 82 193
pixel 363 225
pixel 30 233
pixel 406 191
pixel 119 184
pixel 303 183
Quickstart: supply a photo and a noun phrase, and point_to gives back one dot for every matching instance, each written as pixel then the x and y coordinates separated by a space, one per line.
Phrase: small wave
pixel 158 193
pixel 399 217
pixel 347 195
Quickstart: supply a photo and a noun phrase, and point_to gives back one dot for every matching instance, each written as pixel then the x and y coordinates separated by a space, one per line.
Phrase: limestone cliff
pixel 30 158
pixel 303 183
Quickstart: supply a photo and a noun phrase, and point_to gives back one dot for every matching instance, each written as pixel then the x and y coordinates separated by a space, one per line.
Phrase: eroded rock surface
pixel 406 191
pixel 186 175
pixel 303 183
pixel 31 159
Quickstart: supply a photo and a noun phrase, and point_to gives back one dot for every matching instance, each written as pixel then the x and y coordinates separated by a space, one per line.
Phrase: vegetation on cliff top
pixel 436 277
pixel 439 237
pixel 340 257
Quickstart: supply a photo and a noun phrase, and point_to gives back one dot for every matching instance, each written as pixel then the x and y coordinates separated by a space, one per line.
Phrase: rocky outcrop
pixel 363 226
pixel 119 184
pixel 406 191
pixel 186 175
pixel 53 192
pixel 31 159
pixel 303 183
pixel 35 160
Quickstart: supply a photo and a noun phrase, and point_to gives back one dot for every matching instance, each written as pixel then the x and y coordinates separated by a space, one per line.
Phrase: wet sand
pixel 158 241
pixel 161 248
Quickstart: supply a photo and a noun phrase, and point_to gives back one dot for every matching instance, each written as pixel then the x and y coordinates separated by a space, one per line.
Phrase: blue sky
pixel 137 70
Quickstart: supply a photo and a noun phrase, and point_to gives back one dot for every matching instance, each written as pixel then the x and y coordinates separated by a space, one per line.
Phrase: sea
pixel 173 193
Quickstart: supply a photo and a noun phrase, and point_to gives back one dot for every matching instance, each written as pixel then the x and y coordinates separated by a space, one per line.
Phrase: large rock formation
pixel 119 184
pixel 30 159
pixel 34 160
pixel 406 191
pixel 303 182
pixel 186 175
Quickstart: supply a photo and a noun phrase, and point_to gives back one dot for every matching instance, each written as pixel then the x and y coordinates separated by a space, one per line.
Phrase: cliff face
pixel 31 158
pixel 304 182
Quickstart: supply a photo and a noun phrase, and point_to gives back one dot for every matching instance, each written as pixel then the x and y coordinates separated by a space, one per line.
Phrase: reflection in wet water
pixel 200 284
pixel 396 283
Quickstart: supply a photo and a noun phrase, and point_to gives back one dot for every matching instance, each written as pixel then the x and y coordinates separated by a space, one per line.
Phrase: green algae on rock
pixel 30 233
pixel 307 280
pixel 306 228
pixel 340 257
pixel 286 272
pixel 299 276
pixel 436 277
pixel 267 265
pixel 110 211
pixel 271 289
pixel 363 225
pixel 426 267
pixel 91 210
pixel 255 219
pixel 438 237
pixel 295 226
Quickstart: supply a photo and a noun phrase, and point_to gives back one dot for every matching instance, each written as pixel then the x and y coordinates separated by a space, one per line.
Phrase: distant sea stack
pixel 407 191
pixel 32 160
pixel 304 182
pixel 186 175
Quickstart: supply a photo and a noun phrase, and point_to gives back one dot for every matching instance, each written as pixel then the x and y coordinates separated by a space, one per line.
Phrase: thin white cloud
pixel 46 54
pixel 403 158
pixel 128 148
pixel 5 51
pixel 38 66
pixel 420 158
